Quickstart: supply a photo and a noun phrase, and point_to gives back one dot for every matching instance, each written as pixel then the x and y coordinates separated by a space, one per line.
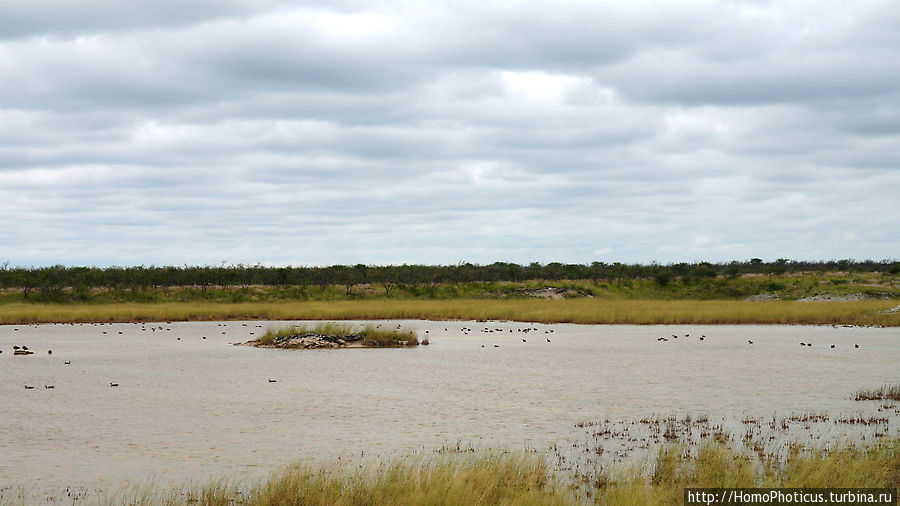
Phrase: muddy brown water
pixel 188 409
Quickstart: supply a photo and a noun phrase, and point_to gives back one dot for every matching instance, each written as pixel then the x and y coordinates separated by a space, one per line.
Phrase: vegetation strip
pixel 526 478
pixel 335 335
pixel 582 310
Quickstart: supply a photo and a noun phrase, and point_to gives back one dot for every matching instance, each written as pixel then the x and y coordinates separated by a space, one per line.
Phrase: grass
pixel 525 478
pixel 578 310
pixel 875 466
pixel 369 335
pixel 887 392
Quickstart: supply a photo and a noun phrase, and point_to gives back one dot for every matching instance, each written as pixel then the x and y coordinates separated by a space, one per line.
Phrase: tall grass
pixel 874 466
pixel 581 310
pixel 526 478
pixel 457 480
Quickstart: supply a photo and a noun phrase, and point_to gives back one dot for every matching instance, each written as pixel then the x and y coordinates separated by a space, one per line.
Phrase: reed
pixel 581 310
pixel 887 392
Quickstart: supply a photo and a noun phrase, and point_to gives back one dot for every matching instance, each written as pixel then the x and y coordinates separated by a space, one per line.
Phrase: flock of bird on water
pixel 24 350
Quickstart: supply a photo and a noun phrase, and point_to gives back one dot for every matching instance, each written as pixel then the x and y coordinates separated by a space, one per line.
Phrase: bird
pixel 25 347
pixel 749 341
pixel 832 346
pixel 49 352
pixel 856 346
pixel 113 384
pixel 496 346
pixel 67 362
pixel 702 337
pixel 548 339
pixel 524 340
pixel 272 380
pixel 48 387
pixel 802 344
pixel 16 348
pixel 28 387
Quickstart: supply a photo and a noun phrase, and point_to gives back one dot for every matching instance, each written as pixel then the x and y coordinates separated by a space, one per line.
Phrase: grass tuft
pixel 887 392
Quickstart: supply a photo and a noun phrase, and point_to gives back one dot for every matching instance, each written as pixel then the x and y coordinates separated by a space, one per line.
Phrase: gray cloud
pixel 292 133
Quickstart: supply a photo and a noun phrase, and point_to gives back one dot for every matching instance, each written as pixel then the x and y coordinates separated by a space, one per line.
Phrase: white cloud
pixel 284 132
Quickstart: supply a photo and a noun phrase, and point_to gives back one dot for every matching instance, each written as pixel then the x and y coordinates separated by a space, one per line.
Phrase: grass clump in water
pixel 370 335
pixel 887 392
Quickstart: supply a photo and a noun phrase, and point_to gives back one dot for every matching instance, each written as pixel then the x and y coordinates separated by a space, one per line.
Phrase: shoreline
pixel 579 311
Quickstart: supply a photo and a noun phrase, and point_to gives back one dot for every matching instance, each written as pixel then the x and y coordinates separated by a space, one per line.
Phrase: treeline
pixel 75 280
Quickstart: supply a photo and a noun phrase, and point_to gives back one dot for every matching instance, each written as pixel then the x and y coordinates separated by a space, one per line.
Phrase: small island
pixel 335 335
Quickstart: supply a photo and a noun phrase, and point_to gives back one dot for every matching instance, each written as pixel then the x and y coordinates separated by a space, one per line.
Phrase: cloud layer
pixel 302 133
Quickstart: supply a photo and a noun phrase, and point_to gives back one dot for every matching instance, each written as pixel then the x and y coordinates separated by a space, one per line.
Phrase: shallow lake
pixel 189 409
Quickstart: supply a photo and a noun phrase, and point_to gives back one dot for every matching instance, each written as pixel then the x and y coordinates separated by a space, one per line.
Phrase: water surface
pixel 193 409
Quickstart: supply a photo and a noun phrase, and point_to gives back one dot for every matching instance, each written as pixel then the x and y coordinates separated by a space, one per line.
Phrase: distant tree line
pixel 44 280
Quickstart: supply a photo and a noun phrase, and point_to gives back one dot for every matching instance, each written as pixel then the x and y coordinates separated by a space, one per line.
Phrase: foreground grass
pixel 519 478
pixel 874 466
pixel 581 310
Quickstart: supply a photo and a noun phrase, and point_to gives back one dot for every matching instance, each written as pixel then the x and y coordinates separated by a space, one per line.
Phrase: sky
pixel 172 132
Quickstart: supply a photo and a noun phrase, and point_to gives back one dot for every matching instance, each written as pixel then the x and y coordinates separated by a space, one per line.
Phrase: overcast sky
pixel 169 132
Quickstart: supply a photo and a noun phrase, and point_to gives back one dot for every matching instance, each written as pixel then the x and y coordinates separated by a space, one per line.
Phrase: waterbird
pixel 548 339
pixel 28 387
pixel 749 341
pixel 496 346
pixel 832 346
pixel 113 384
pixel 49 352
pixel 67 362
pixel 272 380
pixel 856 346
pixel 802 344
pixel 16 348
pixel 524 340
pixel 702 337
pixel 48 387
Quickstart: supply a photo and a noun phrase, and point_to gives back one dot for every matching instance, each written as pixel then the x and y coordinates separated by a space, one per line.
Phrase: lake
pixel 189 409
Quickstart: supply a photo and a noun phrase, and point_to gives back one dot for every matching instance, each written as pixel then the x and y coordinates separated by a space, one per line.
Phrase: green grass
pixel 785 286
pixel 578 310
pixel 525 478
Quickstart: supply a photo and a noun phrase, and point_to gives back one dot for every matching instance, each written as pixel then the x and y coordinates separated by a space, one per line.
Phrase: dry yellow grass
pixel 582 310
